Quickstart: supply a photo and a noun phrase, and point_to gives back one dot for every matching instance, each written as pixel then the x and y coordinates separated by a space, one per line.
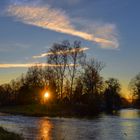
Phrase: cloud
pixel 57 20
pixel 30 65
pixel 64 52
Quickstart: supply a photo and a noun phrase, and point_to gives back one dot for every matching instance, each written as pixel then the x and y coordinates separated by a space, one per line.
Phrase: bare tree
pixel 59 57
pixel 91 76
pixel 75 55
pixel 34 77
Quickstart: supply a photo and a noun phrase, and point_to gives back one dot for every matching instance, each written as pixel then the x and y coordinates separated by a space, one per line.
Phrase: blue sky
pixel 109 28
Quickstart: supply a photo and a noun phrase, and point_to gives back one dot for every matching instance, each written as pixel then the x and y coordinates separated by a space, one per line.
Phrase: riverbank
pixel 5 135
pixel 49 110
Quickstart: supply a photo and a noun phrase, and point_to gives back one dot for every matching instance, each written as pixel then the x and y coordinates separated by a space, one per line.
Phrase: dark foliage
pixel 112 95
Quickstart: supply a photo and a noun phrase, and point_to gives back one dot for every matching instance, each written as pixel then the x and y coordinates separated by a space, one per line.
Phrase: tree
pixel 91 76
pixel 6 94
pixel 15 86
pixel 59 58
pixel 66 58
pixel 50 79
pixel 112 94
pixel 31 86
pixel 92 83
pixel 75 55
pixel 34 77
pixel 78 91
pixel 135 88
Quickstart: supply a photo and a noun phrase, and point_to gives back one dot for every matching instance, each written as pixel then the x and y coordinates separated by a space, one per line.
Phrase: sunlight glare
pixel 46 95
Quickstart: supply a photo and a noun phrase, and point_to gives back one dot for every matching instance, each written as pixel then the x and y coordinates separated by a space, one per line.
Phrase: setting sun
pixel 46 95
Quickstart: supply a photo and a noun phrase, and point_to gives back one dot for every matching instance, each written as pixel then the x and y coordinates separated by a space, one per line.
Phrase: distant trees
pixel 135 88
pixel 112 96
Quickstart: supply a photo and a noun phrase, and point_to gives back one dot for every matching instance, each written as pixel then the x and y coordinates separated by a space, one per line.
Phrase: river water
pixel 125 125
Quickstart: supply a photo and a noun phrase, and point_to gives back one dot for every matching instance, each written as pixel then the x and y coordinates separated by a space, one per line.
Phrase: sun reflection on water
pixel 45 130
pixel 129 114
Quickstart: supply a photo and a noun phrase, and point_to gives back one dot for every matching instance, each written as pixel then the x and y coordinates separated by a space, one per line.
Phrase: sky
pixel 108 28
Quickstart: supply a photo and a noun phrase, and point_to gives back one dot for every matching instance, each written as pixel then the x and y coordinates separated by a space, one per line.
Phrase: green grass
pixel 5 135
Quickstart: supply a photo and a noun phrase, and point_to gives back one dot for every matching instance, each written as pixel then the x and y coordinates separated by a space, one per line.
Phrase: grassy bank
pixel 50 110
pixel 5 135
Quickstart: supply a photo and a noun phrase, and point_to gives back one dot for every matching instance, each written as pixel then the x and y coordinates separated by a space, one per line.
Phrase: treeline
pixel 71 80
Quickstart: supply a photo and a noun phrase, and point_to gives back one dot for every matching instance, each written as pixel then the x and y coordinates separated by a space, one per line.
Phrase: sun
pixel 46 95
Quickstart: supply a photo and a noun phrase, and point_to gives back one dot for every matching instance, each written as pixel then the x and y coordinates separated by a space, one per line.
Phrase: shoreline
pixel 6 135
pixel 36 110
pixel 43 111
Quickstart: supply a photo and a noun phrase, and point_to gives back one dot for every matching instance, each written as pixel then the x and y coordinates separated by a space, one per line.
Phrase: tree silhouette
pixel 92 82
pixel 75 58
pixel 135 87
pixel 112 94
pixel 59 57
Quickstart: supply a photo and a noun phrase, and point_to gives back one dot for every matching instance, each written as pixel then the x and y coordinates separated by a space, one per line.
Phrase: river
pixel 125 125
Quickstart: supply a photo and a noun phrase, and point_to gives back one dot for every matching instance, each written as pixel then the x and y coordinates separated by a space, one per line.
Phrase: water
pixel 123 126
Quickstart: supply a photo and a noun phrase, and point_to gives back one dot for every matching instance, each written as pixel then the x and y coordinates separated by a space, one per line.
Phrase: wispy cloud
pixel 30 65
pixel 60 52
pixel 57 20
